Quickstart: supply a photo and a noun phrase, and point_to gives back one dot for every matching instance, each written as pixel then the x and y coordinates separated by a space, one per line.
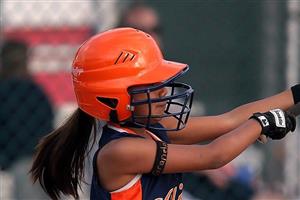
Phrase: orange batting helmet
pixel 108 64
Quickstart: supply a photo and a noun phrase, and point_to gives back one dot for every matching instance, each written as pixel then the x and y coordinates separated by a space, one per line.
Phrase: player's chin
pixel 155 120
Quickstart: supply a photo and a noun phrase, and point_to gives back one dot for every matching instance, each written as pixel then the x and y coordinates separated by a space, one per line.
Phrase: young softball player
pixel 120 77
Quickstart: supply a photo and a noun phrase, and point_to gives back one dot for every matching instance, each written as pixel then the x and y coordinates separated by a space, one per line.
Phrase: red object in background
pixel 54 79
pixel 58 86
pixel 49 35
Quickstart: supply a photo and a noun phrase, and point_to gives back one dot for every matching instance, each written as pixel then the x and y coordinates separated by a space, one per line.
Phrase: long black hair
pixel 59 160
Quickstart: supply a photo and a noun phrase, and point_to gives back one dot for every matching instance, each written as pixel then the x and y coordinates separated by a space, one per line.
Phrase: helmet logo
pixel 76 71
pixel 124 56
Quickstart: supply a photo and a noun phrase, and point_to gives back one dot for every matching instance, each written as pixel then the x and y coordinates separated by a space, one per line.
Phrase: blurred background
pixel 238 51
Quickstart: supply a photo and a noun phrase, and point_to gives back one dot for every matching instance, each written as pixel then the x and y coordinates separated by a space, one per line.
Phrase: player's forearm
pixel 229 146
pixel 200 129
pixel 283 100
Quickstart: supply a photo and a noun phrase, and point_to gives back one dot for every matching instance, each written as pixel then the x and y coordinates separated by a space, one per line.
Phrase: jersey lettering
pixel 171 195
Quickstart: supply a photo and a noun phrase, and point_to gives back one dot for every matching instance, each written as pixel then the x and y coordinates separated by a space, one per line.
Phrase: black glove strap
pixel 264 122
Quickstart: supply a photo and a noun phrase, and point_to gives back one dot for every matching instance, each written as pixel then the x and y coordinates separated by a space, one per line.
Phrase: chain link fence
pixel 36 92
pixel 39 40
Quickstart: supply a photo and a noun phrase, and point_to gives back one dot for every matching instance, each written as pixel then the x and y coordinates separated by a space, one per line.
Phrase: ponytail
pixel 59 161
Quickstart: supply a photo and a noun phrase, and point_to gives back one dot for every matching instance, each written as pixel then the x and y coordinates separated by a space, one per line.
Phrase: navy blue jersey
pixel 143 186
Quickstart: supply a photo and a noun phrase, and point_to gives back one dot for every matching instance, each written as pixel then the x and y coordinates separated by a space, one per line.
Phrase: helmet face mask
pixel 178 104
pixel 108 66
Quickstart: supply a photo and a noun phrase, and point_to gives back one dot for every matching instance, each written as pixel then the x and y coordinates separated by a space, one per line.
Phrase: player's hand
pixel 275 123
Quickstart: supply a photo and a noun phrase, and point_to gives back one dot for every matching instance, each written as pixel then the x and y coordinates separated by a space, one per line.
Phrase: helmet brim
pixel 162 72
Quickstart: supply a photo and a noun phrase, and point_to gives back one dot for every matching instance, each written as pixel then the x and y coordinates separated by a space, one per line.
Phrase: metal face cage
pixel 178 104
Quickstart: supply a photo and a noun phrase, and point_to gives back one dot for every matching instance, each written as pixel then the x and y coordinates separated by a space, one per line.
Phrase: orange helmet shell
pixel 109 63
